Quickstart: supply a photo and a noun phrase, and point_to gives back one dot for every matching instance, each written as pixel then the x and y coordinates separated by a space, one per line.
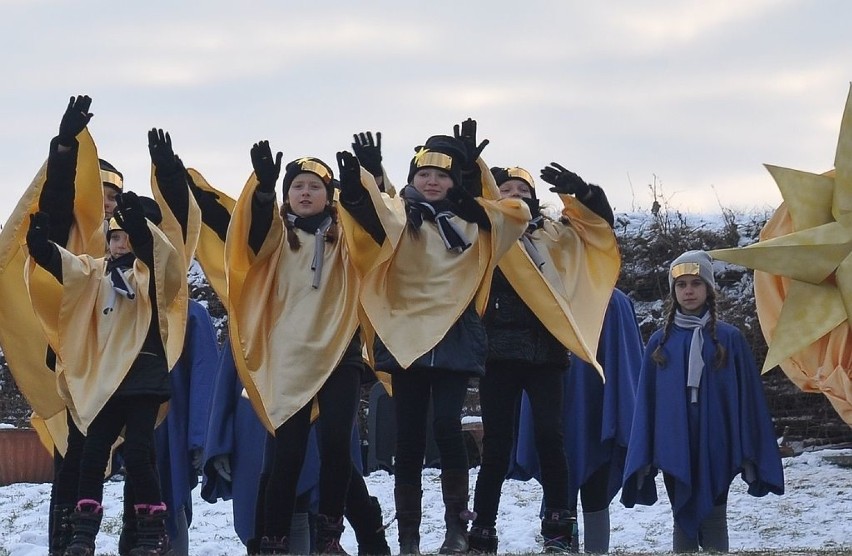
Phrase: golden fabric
pixel 173 323
pixel 822 366
pixel 413 289
pixel 289 336
pixel 23 342
pixel 210 251
pixel 96 349
pixel 571 292
pixel 804 308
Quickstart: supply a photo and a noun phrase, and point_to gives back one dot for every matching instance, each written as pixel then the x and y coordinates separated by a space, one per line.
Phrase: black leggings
pixel 137 415
pixel 412 389
pixel 338 402
pixel 67 469
pixel 499 395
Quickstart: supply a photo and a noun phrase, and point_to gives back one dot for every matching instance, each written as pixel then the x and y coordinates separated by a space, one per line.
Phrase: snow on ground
pixel 814 514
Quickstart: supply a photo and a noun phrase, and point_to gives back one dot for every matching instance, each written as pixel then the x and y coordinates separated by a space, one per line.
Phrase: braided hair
pixel 659 356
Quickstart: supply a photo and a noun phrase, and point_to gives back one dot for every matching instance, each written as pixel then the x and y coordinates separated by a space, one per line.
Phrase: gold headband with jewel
pixel 686 269
pixel 308 165
pixel 425 157
pixel 113 179
pixel 520 174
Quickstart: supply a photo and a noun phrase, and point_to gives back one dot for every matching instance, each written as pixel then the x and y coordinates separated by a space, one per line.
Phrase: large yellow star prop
pixel 807 246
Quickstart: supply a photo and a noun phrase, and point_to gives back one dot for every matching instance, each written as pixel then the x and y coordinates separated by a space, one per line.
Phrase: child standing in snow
pixel 701 416
pixel 102 316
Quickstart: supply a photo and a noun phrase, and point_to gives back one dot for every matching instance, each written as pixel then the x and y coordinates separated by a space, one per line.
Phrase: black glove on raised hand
pixel 74 120
pixel 38 237
pixel 467 208
pixel 162 154
pixel 564 182
pixel 351 189
pixel 466 133
pixel 369 152
pixel 265 168
pixel 131 217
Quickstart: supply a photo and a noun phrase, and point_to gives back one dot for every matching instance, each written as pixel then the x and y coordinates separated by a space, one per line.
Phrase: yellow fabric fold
pixel 21 337
pixel 289 336
pixel 210 251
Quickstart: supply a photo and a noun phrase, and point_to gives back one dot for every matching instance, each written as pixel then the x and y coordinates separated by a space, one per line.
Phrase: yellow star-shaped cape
pixel 803 276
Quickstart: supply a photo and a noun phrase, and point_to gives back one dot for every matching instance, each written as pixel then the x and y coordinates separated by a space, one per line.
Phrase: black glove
pixel 265 168
pixel 162 155
pixel 131 217
pixel 467 208
pixel 74 120
pixel 350 177
pixel 38 237
pixel 466 133
pixel 369 153
pixel 564 182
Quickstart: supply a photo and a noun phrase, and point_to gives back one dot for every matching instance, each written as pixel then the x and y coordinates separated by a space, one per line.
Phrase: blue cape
pixel 703 446
pixel 185 427
pixel 597 416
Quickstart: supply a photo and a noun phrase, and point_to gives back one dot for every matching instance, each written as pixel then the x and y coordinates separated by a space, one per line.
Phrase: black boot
pixel 127 538
pixel 151 537
pixel 366 521
pixel 408 512
pixel 62 531
pixel 454 487
pixel 86 522
pixel 274 545
pixel 558 529
pixel 482 540
pixel 329 530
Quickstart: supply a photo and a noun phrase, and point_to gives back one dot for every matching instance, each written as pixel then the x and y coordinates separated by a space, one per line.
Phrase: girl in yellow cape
pixel 293 299
pixel 426 258
pixel 108 325
pixel 548 296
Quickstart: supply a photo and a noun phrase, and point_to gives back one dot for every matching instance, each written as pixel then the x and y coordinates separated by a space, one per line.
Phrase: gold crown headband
pixel 113 225
pixel 113 179
pixel 308 165
pixel 425 157
pixel 686 269
pixel 520 174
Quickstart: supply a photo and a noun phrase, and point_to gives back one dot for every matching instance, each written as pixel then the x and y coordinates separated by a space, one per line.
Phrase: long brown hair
pixel 721 353
pixel 290 230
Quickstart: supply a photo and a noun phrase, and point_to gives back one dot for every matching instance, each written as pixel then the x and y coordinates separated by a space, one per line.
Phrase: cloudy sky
pixel 692 96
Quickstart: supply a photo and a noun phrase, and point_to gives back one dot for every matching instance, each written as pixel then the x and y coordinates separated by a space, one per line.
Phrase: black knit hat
pixel 502 175
pixel 311 165
pixel 443 152
pixel 110 176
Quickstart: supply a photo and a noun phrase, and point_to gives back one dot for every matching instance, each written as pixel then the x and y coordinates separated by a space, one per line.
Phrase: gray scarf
pixel 529 246
pixel 319 247
pixel 696 361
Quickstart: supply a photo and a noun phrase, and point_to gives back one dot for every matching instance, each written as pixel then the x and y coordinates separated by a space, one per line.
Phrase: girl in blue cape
pixel 712 422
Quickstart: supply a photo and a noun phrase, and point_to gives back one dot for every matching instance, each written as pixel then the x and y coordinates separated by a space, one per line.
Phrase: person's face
pixel 119 243
pixel 515 189
pixel 307 195
pixel 690 293
pixel 109 201
pixel 432 183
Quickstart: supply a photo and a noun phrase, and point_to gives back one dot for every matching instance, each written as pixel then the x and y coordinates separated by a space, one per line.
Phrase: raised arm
pixel 267 170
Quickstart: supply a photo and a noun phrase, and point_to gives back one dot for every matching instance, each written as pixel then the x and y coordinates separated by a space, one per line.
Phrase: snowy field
pixel 814 514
